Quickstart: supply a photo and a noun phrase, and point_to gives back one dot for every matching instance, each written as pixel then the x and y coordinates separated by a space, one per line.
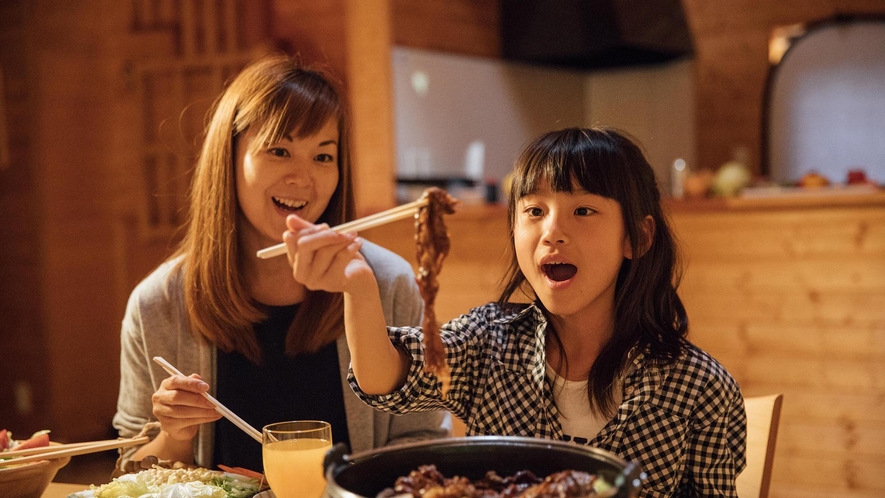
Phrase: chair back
pixel 763 417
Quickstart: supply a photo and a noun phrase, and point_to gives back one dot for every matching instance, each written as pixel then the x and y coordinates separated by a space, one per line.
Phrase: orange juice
pixel 294 467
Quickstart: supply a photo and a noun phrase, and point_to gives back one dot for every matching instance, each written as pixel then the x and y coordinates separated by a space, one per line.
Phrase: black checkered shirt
pixel 684 423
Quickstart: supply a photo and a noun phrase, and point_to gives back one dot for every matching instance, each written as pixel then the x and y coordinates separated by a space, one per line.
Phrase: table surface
pixel 62 490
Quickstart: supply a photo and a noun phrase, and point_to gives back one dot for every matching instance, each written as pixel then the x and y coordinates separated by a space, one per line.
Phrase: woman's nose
pixel 299 174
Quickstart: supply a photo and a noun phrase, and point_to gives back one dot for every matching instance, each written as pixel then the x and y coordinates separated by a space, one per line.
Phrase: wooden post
pixel 369 82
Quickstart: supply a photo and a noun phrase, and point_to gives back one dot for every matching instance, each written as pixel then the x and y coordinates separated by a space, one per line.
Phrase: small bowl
pixel 29 480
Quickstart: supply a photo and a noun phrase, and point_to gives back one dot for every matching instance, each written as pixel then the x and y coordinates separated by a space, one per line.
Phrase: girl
pixel 598 357
pixel 264 345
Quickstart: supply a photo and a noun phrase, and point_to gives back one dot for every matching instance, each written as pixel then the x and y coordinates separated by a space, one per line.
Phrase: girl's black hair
pixel 648 312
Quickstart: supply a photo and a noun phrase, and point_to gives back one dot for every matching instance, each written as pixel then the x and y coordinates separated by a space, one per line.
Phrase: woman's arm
pixel 325 260
pixel 175 402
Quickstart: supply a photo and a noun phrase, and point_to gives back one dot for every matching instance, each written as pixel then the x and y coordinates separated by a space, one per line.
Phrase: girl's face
pixel 570 247
pixel 294 175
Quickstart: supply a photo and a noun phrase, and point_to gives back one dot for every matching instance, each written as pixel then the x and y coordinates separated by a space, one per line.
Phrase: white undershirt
pixel 579 423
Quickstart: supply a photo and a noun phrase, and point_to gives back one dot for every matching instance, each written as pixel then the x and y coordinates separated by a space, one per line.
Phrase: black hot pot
pixel 364 475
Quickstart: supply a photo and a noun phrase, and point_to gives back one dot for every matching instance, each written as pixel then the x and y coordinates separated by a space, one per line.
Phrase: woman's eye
pixel 583 211
pixel 278 152
pixel 325 158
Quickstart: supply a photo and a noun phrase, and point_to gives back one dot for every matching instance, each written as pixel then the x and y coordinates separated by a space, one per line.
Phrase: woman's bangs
pixel 300 108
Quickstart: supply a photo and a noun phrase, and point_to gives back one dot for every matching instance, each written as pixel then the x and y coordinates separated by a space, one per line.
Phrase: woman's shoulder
pixel 161 287
pixel 384 262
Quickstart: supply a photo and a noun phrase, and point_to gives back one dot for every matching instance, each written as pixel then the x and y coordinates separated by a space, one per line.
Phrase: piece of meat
pixel 432 247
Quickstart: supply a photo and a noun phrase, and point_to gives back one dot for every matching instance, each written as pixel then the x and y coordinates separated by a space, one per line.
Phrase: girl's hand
pixel 321 258
pixel 180 407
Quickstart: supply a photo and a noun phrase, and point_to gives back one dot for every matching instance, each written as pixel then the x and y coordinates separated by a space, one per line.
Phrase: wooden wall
pixel 793 301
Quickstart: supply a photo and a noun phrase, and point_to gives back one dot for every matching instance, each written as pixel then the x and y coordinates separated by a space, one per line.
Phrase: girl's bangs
pixel 565 164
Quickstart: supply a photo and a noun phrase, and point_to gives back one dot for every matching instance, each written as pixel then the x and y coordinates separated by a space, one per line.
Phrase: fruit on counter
pixel 731 178
pixel 858 176
pixel 813 179
pixel 697 184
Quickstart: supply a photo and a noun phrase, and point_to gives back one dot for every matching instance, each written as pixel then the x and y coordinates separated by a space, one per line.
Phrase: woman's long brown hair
pixel 278 95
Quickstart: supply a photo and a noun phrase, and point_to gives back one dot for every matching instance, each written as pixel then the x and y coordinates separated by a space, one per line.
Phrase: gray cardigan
pixel 156 324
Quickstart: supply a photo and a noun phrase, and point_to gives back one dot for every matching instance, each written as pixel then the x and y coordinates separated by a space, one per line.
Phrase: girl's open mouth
pixel 559 272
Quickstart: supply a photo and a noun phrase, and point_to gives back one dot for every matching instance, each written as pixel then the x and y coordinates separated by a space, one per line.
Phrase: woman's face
pixel 294 175
pixel 570 247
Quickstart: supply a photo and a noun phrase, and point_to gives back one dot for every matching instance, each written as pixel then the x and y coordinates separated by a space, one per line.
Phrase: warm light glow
pixel 420 83
pixel 781 39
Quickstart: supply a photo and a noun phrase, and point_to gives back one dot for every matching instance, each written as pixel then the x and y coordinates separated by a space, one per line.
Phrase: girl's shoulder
pixel 699 386
pixel 495 313
pixel 700 366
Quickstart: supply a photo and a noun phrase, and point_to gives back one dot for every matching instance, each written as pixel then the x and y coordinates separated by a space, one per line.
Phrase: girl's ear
pixel 648 235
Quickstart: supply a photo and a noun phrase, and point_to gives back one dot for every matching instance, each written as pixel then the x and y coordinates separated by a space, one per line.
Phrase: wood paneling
pixel 468 27
pixel 793 301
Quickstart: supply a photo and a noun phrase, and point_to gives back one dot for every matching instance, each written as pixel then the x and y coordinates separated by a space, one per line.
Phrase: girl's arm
pixel 325 260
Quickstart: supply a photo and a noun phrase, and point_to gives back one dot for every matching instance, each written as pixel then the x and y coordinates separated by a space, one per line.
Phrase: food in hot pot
pixel 428 482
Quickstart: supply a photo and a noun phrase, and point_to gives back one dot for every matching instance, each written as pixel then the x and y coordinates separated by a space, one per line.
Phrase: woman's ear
pixel 648 235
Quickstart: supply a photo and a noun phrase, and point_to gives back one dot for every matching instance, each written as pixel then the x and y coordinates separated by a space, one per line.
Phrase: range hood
pixel 590 34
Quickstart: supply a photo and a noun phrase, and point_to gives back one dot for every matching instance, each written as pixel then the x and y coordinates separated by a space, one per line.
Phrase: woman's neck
pixel 270 281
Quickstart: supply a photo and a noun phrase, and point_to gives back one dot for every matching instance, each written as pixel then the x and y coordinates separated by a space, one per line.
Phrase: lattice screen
pixel 175 90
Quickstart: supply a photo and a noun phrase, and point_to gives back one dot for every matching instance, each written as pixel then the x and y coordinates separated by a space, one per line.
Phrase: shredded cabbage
pixel 178 483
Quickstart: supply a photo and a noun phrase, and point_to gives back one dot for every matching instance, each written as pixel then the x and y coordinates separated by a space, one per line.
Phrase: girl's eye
pixel 278 152
pixel 534 211
pixel 584 211
pixel 325 158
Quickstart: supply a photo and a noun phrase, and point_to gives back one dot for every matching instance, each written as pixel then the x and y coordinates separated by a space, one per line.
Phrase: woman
pixel 260 342
pixel 600 357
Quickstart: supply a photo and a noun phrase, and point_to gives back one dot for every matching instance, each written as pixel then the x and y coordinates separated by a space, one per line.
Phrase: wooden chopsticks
pixel 378 219
pixel 64 450
pixel 242 424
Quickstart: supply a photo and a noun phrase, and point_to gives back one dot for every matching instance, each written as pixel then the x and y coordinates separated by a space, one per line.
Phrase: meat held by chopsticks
pixel 432 241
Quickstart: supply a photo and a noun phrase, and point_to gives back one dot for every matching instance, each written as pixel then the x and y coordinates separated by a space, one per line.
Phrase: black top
pixel 282 388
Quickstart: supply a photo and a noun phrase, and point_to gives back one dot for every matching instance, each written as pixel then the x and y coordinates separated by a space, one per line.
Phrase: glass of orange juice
pixel 293 455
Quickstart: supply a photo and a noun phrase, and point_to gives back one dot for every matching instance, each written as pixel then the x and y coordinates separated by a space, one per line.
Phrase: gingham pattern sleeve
pixel 467 340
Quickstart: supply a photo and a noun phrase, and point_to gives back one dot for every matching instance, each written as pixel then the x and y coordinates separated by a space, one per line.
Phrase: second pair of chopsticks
pixel 242 424
pixel 65 450
pixel 378 219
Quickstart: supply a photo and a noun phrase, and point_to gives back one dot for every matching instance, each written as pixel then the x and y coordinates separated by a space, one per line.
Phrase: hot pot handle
pixel 630 480
pixel 335 457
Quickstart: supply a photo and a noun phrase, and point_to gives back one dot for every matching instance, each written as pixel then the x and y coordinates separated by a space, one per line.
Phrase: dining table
pixel 62 489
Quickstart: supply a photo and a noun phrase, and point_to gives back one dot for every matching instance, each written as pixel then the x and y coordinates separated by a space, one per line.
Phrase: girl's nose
pixel 554 232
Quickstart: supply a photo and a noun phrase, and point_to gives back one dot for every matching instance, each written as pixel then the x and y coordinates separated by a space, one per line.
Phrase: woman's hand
pixel 180 407
pixel 321 258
